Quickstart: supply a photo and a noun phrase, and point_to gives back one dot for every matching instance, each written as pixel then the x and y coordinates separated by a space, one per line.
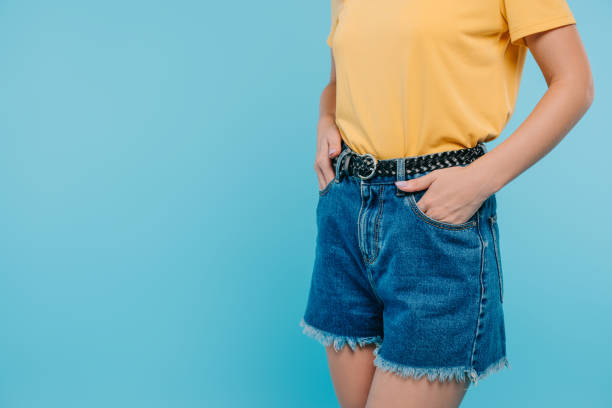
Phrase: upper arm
pixel 548 29
pixel 332 75
pixel 336 8
pixel 561 56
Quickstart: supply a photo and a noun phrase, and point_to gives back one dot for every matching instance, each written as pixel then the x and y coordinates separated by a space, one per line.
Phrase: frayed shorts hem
pixel 458 374
pixel 329 339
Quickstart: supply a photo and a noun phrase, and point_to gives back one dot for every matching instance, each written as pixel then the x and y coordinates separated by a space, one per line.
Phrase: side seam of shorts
pixel 503 361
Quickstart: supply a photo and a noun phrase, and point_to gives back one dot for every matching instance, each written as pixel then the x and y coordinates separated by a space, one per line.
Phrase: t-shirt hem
pixel 517 35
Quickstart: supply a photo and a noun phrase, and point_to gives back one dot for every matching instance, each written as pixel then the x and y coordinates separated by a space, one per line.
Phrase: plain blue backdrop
pixel 157 213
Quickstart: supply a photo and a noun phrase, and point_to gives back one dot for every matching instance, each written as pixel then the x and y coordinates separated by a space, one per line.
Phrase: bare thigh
pixel 351 372
pixel 389 390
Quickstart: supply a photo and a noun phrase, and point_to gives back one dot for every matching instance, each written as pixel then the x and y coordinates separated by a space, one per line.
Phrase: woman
pixel 407 271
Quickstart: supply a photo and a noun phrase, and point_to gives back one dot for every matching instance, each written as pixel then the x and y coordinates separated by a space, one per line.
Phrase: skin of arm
pixel 455 193
pixel 328 136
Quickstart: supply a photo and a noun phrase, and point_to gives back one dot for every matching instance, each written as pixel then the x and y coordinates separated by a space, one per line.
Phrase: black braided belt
pixel 366 166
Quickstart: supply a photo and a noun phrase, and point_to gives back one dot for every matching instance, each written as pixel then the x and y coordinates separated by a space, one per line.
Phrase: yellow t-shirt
pixel 423 76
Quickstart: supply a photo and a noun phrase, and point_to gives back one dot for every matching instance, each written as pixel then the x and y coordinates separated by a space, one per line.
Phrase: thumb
pixel 416 184
pixel 333 147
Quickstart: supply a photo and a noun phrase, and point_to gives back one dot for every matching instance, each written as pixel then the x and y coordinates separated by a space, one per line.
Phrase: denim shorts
pixel 428 294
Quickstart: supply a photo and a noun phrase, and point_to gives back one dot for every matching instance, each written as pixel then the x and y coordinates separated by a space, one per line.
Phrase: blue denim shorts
pixel 428 294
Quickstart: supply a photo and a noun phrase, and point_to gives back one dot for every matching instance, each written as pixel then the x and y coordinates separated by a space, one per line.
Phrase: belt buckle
pixel 374 162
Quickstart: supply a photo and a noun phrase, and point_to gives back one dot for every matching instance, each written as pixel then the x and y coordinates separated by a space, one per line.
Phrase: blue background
pixel 157 213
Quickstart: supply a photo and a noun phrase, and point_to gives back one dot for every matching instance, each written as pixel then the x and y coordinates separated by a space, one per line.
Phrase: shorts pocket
pixel 415 196
pixel 327 187
pixel 495 234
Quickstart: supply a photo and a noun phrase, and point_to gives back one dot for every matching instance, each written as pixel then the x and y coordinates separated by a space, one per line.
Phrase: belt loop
pixel 338 176
pixel 484 147
pixel 400 175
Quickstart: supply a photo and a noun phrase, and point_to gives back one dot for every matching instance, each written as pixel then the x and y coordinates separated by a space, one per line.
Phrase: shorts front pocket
pixel 415 196
pixel 495 234
pixel 327 187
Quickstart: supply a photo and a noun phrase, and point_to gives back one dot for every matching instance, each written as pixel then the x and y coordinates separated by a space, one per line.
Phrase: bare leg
pixel 351 373
pixel 389 390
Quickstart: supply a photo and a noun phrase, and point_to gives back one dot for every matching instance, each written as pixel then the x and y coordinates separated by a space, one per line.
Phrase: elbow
pixel 590 93
pixel 585 92
pixel 588 88
pixel 580 88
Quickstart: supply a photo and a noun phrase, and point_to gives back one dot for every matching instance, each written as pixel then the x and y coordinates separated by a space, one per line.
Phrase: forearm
pixel 563 104
pixel 327 102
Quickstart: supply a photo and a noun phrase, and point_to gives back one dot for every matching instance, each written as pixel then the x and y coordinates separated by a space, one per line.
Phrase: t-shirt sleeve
pixel 525 17
pixel 336 5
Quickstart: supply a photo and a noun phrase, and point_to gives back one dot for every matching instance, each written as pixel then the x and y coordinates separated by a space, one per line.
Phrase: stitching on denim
pixel 359 240
pixel 377 227
pixel 327 188
pixel 418 212
pixel 482 294
pixel 492 220
pixel 371 281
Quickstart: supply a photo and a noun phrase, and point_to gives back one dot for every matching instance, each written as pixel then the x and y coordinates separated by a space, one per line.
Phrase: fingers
pixel 417 183
pixel 329 146
pixel 423 205
pixel 324 169
pixel 334 145
pixel 320 177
